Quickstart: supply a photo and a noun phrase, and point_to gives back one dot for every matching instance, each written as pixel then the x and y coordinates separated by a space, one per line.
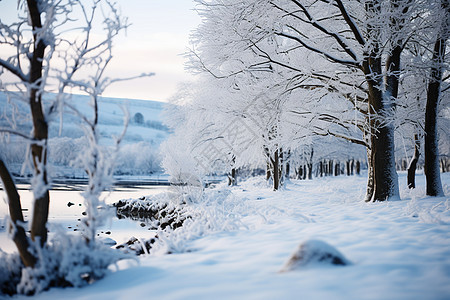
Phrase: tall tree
pixel 325 48
pixel 432 173
pixel 272 93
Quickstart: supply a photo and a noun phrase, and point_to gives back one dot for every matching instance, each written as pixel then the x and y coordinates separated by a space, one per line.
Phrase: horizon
pixel 101 96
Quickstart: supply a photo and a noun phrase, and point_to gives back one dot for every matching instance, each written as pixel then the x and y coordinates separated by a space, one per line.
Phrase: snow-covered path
pixel 399 250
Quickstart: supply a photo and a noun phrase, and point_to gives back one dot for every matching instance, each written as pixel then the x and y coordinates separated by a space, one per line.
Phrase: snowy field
pixel 398 250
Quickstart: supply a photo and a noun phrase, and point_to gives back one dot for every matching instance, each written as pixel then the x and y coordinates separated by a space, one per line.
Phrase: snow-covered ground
pixel 398 250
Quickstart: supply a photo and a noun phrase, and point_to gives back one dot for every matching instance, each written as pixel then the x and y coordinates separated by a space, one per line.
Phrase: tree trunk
pixel 444 165
pixel 413 163
pixel 275 171
pixel 288 170
pixel 15 211
pixel 310 165
pixel 40 128
pixel 268 172
pixel 433 177
pixel 281 163
pixel 232 178
pixel 383 163
pixel 370 177
pixel 381 104
pixel 287 165
pixel 300 172
pixel 337 168
pixel 358 167
pixel 348 168
pixel 39 154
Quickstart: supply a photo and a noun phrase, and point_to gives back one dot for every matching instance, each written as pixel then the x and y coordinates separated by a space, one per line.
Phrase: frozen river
pixel 67 216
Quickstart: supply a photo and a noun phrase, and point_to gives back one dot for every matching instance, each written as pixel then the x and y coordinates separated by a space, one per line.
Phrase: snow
pixel 398 249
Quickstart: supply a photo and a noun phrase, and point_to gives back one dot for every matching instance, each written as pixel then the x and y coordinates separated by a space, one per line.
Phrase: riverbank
pixel 244 236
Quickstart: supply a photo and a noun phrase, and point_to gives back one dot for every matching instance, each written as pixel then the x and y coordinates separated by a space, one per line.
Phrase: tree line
pixel 277 78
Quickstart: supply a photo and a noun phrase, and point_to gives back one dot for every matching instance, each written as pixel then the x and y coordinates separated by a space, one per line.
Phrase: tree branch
pixel 359 37
pixel 350 139
pixel 16 71
pixel 18 133
pixel 334 59
pixel 336 37
pixel 15 211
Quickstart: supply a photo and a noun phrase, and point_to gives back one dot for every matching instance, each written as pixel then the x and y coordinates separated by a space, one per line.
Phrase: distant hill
pixel 144 134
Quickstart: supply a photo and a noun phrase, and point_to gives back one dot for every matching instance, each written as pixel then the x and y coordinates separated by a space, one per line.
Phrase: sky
pixel 155 42
pixel 158 36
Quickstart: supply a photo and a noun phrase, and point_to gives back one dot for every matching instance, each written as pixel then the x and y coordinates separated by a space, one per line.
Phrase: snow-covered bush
pixel 137 159
pixel 186 173
pixel 66 261
pixel 14 152
pixel 64 150
pixel 177 221
pixel 10 269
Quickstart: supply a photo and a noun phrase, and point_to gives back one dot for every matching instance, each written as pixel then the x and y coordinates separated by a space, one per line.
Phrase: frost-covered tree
pixel 363 47
pixel 409 113
pixel 28 52
pixel 50 50
pixel 277 104
pixel 348 50
pixel 421 90
pixel 434 185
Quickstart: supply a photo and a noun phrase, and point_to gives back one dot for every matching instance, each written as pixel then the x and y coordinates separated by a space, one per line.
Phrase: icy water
pixel 67 207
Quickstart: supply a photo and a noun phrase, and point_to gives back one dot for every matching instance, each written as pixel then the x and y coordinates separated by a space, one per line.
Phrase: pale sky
pixel 153 43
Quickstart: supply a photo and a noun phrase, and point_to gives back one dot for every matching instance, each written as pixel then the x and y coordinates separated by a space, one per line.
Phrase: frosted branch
pixel 354 28
pixel 14 70
pixel 316 50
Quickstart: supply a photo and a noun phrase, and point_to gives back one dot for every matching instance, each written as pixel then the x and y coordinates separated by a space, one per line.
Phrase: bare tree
pixel 33 81
pixel 48 61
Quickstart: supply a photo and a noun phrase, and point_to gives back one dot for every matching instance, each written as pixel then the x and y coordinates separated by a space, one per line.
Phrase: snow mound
pixel 314 253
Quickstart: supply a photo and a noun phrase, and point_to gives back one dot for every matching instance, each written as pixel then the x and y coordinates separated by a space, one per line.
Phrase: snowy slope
pixel 143 136
pixel 399 250
pixel 111 116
